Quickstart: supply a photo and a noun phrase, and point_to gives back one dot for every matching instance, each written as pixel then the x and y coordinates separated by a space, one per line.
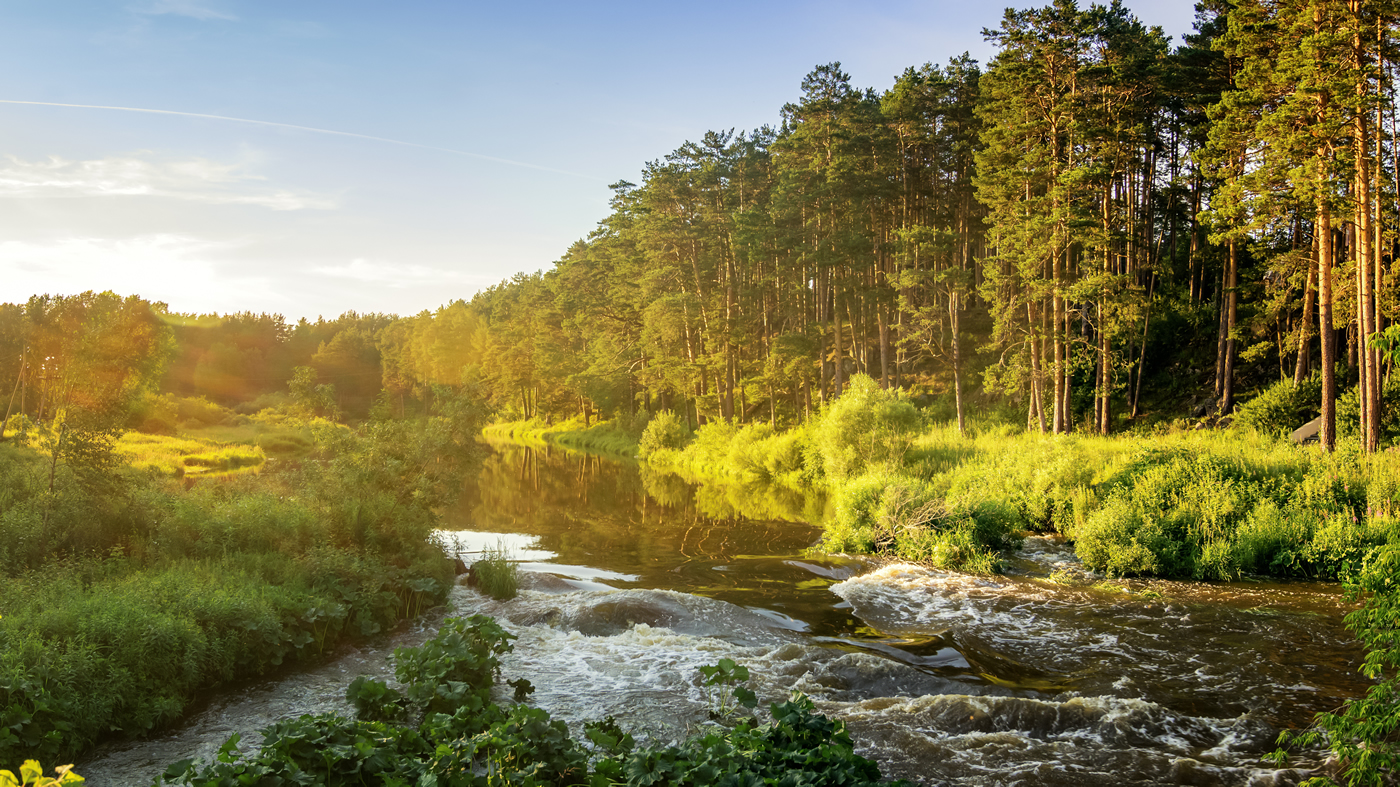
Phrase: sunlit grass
pixel 278 441
pixel 602 437
pixel 186 456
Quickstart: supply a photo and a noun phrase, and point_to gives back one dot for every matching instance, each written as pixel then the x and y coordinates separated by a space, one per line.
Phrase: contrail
pixel 305 128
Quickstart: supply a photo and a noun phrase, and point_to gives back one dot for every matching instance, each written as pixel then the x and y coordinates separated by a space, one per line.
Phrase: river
pixel 1045 674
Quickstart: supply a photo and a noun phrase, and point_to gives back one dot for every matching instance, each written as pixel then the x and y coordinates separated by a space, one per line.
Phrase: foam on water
pixel 920 726
pixel 1026 632
pixel 636 654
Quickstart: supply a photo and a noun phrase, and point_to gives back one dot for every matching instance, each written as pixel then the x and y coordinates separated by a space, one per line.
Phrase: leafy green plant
pixel 1365 733
pixel 32 775
pixel 724 688
pixel 666 431
pixel 1282 407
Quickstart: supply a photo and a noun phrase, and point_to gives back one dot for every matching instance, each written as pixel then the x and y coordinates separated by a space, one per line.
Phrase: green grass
pixel 126 595
pixel 176 457
pixel 496 574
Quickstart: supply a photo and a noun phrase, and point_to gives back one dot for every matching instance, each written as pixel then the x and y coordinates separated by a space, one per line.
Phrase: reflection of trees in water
pixel 616 515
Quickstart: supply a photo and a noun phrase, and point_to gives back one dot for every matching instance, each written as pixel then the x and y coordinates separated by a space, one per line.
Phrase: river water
pixel 1043 675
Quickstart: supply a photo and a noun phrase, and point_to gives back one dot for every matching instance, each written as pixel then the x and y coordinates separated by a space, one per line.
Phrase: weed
pixel 724 688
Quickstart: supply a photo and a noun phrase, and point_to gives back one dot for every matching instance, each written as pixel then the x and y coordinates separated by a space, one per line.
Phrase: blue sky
pixel 517 116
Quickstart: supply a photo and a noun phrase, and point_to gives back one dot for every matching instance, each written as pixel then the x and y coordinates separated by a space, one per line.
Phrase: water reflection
pixel 649 530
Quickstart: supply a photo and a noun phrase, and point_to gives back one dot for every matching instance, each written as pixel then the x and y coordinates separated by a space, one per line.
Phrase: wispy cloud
pixel 190 8
pixel 399 276
pixel 311 129
pixel 183 271
pixel 193 179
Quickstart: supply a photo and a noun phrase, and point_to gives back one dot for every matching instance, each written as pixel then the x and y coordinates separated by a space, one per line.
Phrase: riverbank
pixel 127 595
pixel 1174 503
pixel 610 438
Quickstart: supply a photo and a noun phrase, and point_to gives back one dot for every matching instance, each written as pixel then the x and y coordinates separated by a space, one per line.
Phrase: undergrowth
pixel 496 574
pixel 616 437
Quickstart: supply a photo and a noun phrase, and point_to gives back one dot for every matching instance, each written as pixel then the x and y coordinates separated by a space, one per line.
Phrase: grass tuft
pixel 496 574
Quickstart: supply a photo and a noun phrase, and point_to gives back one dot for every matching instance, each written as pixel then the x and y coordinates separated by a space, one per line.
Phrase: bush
pixel 1349 412
pixel 900 515
pixel 1282 407
pixel 865 428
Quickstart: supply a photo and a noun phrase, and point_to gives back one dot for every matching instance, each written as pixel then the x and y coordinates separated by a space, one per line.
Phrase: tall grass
pixel 125 595
pixel 496 573
pixel 177 457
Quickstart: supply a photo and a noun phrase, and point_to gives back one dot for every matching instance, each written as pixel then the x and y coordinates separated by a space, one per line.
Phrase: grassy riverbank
pixel 617 437
pixel 125 595
pixel 1179 503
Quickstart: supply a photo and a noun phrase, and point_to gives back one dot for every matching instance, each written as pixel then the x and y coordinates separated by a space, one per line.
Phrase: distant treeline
pixel 1094 226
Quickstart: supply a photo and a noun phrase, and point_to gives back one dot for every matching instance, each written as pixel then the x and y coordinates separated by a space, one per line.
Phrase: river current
pixel 1044 675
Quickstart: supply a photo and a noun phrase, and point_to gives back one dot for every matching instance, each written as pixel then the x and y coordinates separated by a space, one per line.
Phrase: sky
pixel 311 157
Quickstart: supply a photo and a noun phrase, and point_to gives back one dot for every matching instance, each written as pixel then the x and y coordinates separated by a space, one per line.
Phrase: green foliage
pixel 445 729
pixel 617 437
pixel 167 592
pixel 899 515
pixel 178 457
pixel 666 432
pixel 866 428
pixel 1282 407
pixel 32 775
pixel 496 574
pixel 723 684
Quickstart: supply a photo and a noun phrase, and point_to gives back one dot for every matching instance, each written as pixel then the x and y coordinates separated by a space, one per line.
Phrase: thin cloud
pixel 310 129
pixel 190 8
pixel 398 276
pixel 193 179
pixel 183 271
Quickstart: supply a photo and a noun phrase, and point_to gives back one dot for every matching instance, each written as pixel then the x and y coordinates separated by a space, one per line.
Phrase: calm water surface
pixel 632 581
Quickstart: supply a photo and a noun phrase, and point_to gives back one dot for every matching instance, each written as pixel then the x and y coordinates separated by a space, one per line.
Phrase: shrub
pixel 1349 412
pixel 900 515
pixel 665 432
pixel 865 428
pixel 1282 407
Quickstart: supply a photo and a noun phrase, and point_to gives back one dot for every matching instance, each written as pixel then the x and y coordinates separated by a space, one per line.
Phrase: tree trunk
pixel 1328 335
pixel 1304 365
pixel 1227 395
